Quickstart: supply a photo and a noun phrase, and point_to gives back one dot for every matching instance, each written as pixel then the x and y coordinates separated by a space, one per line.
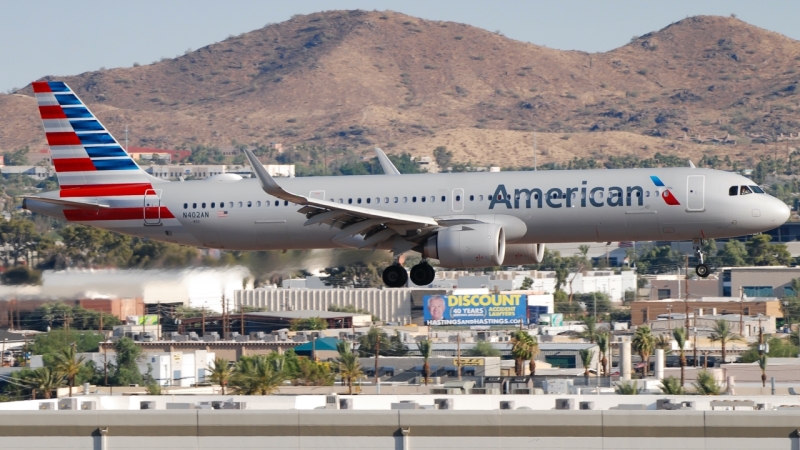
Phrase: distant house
pixel 150 154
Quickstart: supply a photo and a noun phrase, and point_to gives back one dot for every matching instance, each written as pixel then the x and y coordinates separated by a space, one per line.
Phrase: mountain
pixel 362 79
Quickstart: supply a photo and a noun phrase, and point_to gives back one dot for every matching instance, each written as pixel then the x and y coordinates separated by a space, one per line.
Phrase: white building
pixel 35 172
pixel 177 368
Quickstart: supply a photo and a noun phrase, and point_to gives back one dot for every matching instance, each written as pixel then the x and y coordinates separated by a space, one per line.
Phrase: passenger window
pixel 258 203
pixel 757 189
pixel 249 204
pixel 377 199
pixel 349 201
pixel 433 199
pixel 647 193
pixel 423 198
pixel 286 203
pixel 240 204
pixel 277 203
pixel 359 201
pixel 204 205
pixel 395 199
pixel 369 200
pixel 213 205
pixel 185 206
pixel 405 199
pixel 655 193
pixel 341 201
pixel 744 190
pixel 194 205
pixel 266 203
pixel 480 198
pixel 471 198
pixel 458 198
pixel 734 190
pixel 385 199
pixel 230 204
pixel 414 199
pixel 444 199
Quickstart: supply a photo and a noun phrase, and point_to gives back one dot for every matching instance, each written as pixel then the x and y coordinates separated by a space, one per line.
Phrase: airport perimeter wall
pixel 398 429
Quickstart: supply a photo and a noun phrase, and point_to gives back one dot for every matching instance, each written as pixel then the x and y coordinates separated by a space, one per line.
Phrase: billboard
pixel 149 319
pixel 475 309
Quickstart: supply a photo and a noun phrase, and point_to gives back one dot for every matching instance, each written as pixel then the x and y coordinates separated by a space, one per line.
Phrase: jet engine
pixel 466 246
pixel 521 254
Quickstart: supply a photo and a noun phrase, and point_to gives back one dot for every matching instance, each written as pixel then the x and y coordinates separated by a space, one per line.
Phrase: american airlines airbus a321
pixel 464 220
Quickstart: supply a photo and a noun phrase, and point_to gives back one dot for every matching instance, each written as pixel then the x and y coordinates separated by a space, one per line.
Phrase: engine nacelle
pixel 522 254
pixel 467 246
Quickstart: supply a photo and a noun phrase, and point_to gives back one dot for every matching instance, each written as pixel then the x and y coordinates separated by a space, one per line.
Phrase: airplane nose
pixel 779 212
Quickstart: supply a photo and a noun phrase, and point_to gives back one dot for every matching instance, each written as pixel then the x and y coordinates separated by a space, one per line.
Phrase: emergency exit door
pixel 695 195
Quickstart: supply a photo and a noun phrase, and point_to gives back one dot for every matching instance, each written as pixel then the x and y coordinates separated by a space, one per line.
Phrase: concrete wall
pixel 391 305
pixel 415 429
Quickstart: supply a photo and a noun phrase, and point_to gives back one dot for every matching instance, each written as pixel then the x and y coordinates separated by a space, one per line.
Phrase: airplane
pixel 464 220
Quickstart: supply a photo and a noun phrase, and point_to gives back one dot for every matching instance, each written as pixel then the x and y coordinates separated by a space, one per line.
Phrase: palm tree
pixel 45 380
pixel 721 331
pixel 258 375
pixel 69 364
pixel 534 351
pixel 762 363
pixel 680 336
pixel 221 372
pixel 705 384
pixel 586 360
pixel 591 331
pixel 425 348
pixel 671 386
pixel 349 367
pixel 603 343
pixel 664 342
pixel 643 343
pixel 520 350
pixel 626 388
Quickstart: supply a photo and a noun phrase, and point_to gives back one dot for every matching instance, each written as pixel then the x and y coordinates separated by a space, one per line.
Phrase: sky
pixel 48 37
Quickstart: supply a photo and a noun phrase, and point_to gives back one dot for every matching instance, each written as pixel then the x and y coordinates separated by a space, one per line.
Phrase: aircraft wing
pixel 374 225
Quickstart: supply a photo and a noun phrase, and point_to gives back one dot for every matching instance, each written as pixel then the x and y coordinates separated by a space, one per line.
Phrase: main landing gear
pixel 396 276
pixel 701 269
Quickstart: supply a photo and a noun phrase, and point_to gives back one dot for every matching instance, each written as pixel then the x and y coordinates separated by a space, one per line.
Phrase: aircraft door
pixel 458 200
pixel 695 195
pixel 152 207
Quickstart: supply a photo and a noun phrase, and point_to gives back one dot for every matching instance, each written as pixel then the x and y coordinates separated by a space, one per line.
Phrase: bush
pixel 706 384
pixel 482 348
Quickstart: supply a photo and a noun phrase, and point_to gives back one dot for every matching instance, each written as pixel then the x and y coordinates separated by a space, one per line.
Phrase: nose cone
pixel 776 212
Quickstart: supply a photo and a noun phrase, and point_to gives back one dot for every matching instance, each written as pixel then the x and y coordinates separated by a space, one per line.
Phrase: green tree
pixel 68 363
pixel 664 342
pixel 425 348
pixel 680 336
pixel 586 360
pixel 349 366
pixel 221 372
pixel 521 350
pixel 626 388
pixel 722 333
pixel 763 253
pixel 778 348
pixel 527 282
pixel 46 380
pixel 603 342
pixel 591 331
pixel 313 373
pixel 368 343
pixel 443 157
pixel 706 384
pixel 258 375
pixel 672 386
pixel 482 348
pixel 643 343
pixel 18 157
pixel 733 254
pixel 21 276
pixel 56 341
pixel 126 370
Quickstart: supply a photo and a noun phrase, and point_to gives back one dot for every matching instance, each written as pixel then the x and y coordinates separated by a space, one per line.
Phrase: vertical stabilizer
pixel 85 155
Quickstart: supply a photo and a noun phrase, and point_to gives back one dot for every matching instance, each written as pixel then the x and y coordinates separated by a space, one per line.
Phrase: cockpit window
pixel 757 189
pixel 744 190
pixel 734 190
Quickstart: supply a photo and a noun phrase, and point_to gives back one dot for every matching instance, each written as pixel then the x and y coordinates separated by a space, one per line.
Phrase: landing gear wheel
pixel 395 276
pixel 701 270
pixel 422 274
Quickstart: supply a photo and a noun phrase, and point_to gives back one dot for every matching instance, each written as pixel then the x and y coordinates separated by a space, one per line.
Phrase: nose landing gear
pixel 701 269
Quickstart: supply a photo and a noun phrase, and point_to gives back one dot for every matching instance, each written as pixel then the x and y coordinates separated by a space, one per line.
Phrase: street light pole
pixel 3 355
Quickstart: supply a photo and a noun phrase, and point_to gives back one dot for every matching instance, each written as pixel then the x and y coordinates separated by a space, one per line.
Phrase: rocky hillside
pixel 362 79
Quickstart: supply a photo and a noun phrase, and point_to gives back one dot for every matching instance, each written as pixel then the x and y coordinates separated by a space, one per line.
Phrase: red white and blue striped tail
pixel 88 160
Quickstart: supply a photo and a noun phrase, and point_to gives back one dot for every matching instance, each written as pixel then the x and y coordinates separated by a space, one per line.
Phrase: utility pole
pixel 241 319
pixel 534 151
pixel 101 323
pixel 377 354
pixel 594 304
pixel 741 310
pixel 686 294
pixel 105 362
pixel 458 353
pixel 224 318
pixel 203 324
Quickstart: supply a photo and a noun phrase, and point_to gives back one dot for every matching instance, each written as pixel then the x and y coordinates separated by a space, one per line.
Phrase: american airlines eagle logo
pixel 667 195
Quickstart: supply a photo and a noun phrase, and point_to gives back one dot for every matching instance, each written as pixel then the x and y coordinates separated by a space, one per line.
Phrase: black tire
pixel 702 270
pixel 422 274
pixel 395 276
